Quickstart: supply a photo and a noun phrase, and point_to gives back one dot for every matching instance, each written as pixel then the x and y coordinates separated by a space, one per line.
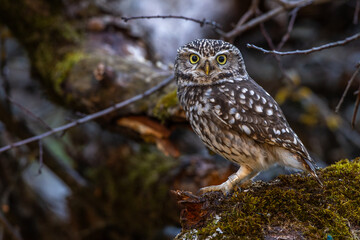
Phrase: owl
pixel 234 116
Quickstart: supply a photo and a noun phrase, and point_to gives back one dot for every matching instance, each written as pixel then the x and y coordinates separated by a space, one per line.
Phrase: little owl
pixel 232 114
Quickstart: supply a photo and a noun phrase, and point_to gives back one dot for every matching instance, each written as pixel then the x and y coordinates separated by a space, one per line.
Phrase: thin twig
pixel 347 87
pixel 356 12
pixel 272 46
pixel 256 21
pixel 342 130
pixel 27 111
pixel 356 108
pixel 17 127
pixel 41 160
pixel 13 232
pixel 6 85
pixel 202 23
pixel 252 9
pixel 290 27
pixel 89 117
pixel 307 51
pixel 266 35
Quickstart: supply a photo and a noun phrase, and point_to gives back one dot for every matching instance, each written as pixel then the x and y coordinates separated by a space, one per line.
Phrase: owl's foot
pixel 225 188
pixel 241 175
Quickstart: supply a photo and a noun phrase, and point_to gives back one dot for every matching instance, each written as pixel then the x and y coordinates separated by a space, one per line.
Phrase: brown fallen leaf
pixel 151 131
pixel 144 126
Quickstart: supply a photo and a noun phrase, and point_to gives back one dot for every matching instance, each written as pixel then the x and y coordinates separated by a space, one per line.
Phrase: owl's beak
pixel 207 67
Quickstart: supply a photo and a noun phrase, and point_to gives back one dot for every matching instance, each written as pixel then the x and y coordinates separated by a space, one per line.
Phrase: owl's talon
pixel 224 188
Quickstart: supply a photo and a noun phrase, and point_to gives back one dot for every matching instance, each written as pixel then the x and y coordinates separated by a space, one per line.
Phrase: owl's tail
pixel 311 167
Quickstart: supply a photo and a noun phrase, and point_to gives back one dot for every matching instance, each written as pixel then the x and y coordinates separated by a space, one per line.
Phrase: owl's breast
pixel 232 145
pixel 218 134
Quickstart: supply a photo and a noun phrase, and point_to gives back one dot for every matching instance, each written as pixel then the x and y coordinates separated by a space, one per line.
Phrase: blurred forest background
pixel 62 60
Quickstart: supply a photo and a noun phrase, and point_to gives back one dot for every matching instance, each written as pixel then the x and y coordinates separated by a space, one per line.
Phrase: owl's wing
pixel 246 107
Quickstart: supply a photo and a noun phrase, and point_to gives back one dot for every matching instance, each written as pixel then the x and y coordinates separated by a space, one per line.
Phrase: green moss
pixel 296 204
pixel 47 35
pixel 135 190
pixel 43 60
pixel 62 69
pixel 161 110
pixel 69 33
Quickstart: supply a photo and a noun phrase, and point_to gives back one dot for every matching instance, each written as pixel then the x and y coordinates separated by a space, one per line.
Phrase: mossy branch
pixel 291 207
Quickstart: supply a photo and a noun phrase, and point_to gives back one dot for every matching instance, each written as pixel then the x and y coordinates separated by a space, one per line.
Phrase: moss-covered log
pixel 290 207
pixel 43 30
pixel 82 68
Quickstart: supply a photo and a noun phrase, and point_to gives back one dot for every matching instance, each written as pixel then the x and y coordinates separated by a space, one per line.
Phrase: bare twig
pixel 27 111
pixel 6 85
pixel 311 50
pixel 17 128
pixel 267 37
pixel 251 11
pixel 89 117
pixel 286 36
pixel 272 46
pixel 253 22
pixel 356 12
pixel 41 160
pixel 13 232
pixel 347 87
pixel 256 21
pixel 343 129
pixel 356 108
pixel 202 23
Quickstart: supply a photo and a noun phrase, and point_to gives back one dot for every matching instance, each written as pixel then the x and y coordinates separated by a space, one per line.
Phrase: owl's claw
pixel 225 188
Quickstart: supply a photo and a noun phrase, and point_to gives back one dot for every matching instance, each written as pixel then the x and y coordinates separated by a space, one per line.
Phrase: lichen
pixel 295 204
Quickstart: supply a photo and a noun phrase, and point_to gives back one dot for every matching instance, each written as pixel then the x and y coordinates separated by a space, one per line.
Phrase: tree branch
pixel 203 22
pixel 356 108
pixel 290 27
pixel 27 111
pixel 356 12
pixel 89 117
pixel 18 128
pixel 251 11
pixel 256 21
pixel 347 87
pixel 311 50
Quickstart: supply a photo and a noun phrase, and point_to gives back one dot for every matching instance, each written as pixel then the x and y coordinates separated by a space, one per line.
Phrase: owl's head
pixel 207 61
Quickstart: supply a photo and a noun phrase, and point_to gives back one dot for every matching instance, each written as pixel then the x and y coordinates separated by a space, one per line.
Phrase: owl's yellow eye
pixel 194 58
pixel 221 59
